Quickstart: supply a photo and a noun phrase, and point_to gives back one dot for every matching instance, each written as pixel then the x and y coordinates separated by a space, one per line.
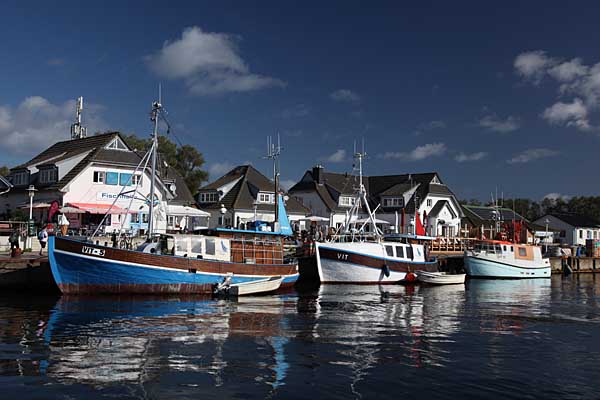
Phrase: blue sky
pixel 488 95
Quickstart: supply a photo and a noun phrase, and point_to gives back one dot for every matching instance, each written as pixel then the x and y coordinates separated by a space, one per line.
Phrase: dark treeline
pixel 532 210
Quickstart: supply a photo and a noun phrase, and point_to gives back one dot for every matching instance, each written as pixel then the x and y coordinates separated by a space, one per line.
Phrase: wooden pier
pixel 28 271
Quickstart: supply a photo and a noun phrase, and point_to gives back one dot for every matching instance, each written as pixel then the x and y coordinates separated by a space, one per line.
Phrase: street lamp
pixel 546 237
pixel 31 192
pixel 255 205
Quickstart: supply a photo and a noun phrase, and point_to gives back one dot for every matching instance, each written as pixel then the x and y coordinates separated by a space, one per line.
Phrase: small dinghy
pixel 440 278
pixel 226 288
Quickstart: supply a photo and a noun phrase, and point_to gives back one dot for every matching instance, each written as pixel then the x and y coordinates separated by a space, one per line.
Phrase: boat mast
pixel 362 192
pixel 156 107
pixel 273 153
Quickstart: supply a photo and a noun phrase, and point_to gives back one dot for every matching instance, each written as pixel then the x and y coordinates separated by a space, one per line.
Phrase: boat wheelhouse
pixel 503 259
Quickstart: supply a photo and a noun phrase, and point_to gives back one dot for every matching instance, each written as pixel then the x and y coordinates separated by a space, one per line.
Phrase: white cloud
pixel 219 169
pixel 556 196
pixel 338 156
pixel 208 63
pixel 299 110
pixel 494 123
pixel 419 153
pixel 570 114
pixel 574 78
pixel 345 95
pixel 531 155
pixel 286 184
pixel 56 62
pixel 464 157
pixel 36 123
pixel 533 65
pixel 569 70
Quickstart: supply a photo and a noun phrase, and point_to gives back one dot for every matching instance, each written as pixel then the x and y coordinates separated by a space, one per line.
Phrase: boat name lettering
pixel 343 257
pixel 92 251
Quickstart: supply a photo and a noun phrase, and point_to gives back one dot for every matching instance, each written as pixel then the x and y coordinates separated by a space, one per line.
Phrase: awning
pixel 93 208
pixel 173 209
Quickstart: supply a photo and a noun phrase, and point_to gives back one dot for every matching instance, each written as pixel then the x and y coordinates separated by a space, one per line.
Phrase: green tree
pixel 186 160
pixel 4 171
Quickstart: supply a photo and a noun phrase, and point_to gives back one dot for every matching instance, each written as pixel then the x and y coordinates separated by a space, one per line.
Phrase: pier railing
pixel 451 244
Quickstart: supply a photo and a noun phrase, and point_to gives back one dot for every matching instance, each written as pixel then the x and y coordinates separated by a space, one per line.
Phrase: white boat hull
pixel 331 271
pixel 440 278
pixel 485 268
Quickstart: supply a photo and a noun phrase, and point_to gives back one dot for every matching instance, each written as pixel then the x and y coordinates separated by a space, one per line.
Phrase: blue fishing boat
pixel 176 263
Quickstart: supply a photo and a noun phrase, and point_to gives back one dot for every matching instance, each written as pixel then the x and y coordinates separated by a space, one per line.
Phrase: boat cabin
pixel 502 248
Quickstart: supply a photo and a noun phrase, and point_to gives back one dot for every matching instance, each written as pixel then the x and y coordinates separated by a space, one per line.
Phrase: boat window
pixel 210 247
pixel 512 249
pixel 490 249
pixel 181 246
pixel 478 247
pixel 504 248
pixel 498 249
pixel 409 252
pixel 390 251
pixel 399 251
pixel 522 252
pixel 196 245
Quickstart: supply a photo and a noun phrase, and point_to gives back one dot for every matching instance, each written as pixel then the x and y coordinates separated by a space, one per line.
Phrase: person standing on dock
pixel 14 242
pixel 43 238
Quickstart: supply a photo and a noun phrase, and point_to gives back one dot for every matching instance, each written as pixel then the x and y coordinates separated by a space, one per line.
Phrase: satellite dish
pixel 286 197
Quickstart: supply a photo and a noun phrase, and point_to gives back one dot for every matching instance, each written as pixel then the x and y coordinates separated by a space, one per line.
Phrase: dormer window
pixel 209 197
pixel 266 197
pixel 20 178
pixel 347 201
pixel 117 144
pixel 393 202
pixel 48 175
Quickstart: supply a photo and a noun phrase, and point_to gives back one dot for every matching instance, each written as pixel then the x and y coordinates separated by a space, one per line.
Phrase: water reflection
pixel 109 340
pixel 474 340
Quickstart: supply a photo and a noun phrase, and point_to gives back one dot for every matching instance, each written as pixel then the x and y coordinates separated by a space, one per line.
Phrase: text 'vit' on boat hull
pixel 85 268
pixel 355 263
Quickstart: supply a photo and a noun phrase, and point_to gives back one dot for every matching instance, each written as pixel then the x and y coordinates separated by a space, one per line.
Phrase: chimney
pixel 317 173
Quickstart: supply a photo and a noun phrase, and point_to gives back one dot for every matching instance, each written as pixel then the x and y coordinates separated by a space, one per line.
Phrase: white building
pixel 88 174
pixel 573 229
pixel 246 195
pixel 330 195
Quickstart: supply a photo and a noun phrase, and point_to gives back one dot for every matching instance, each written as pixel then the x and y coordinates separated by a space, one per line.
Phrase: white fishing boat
pixel 359 255
pixel 440 278
pixel 503 259
pixel 226 288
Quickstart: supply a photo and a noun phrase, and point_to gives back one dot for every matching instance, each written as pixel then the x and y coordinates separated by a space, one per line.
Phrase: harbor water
pixel 492 339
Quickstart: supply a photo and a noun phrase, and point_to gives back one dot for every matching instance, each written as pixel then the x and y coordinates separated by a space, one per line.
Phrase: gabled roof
pixel 335 184
pixel 576 220
pixel 244 193
pixel 439 206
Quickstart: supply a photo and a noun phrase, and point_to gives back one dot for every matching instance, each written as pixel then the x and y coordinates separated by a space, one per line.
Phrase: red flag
pixel 419 230
pixel 53 209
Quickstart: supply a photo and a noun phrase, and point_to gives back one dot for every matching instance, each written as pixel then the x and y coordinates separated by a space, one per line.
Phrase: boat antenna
pixel 273 153
pixel 154 115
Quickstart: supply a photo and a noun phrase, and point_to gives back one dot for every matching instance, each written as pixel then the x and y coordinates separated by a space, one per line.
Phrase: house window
pixel 393 202
pixel 563 234
pixel 135 218
pixel 136 179
pixel 389 251
pixel 144 218
pixel 429 202
pixel 210 197
pixel 48 175
pixel 99 176
pixel 347 201
pixel 595 234
pixel 125 179
pixel 581 234
pixel 112 178
pixel 20 178
pixel 266 198
pixel 589 234
pixel 171 221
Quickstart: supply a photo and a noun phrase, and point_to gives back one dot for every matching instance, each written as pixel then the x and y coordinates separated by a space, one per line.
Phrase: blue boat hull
pixel 77 273
pixel 477 267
